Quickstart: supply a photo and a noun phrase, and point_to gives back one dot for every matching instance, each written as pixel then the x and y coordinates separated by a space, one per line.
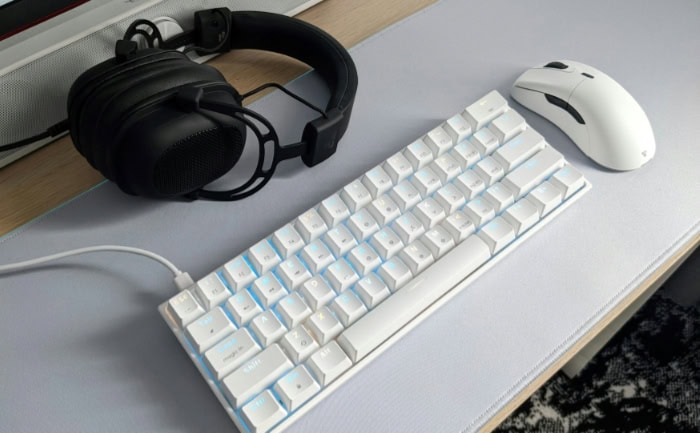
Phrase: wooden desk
pixel 56 173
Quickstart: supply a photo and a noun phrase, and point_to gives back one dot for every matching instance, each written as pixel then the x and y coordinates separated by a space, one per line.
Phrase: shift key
pixel 255 375
pixel 533 171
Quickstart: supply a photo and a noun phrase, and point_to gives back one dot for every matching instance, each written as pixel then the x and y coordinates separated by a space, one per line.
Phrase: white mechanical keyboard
pixel 283 324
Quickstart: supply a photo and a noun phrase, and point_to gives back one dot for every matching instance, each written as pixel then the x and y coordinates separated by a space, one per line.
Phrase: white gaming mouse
pixel 598 114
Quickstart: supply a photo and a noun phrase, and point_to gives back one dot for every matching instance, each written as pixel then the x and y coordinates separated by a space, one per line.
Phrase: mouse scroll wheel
pixel 556 65
pixel 565 105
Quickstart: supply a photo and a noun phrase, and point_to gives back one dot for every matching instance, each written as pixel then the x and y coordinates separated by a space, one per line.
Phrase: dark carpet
pixel 646 380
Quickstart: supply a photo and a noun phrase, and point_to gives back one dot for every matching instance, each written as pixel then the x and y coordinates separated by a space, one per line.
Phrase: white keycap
pixel 262 413
pixel 255 375
pixel 268 289
pixel 398 167
pixel 457 128
pixel 333 210
pixel 204 332
pixel 317 292
pixel 230 353
pixel 211 291
pixel 438 240
pixel 238 273
pixel 450 198
pixel 408 228
pixel 405 195
pixel 386 243
pixel 263 257
pixel 489 170
pixel 362 224
pixel 438 140
pixel 364 259
pixel 372 290
pixel 355 195
pixel 384 210
pixel 545 197
pixel 533 171
pixel 298 344
pixel 485 110
pixel 418 154
pixel 426 181
pixel 328 363
pixel 310 225
pixel 470 184
pixel 458 226
pixel 267 328
pixel 507 126
pixel 479 211
pixel 287 241
pixel 317 256
pixel 377 181
pixel 339 240
pixel 416 256
pixel 429 212
pixel 243 307
pixel 292 273
pixel 293 310
pixel 522 215
pixel 391 315
pixel 465 154
pixel 394 273
pixel 568 180
pixel 324 325
pixel 499 196
pixel 340 275
pixel 446 168
pixel 497 234
pixel 296 388
pixel 184 308
pixel 348 307
pixel 519 149
pixel 484 141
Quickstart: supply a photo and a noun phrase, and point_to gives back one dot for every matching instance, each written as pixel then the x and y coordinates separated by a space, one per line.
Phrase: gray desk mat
pixel 82 348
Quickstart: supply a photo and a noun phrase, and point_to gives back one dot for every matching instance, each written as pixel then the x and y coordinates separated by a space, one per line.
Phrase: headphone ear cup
pixel 125 89
pixel 92 79
pixel 167 152
pixel 126 123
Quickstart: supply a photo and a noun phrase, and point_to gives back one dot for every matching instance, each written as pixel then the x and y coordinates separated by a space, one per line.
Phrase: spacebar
pixel 394 313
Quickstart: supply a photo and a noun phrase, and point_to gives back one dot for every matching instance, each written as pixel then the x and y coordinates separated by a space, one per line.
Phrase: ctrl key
pixel 263 412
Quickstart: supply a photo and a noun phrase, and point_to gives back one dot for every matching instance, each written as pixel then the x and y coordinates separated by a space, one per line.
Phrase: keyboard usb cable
pixel 182 279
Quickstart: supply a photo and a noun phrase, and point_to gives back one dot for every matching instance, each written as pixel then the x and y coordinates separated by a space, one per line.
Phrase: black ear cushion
pixel 111 101
pixel 86 83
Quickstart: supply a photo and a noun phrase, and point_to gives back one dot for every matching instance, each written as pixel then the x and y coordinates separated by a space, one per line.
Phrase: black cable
pixel 288 92
pixel 52 131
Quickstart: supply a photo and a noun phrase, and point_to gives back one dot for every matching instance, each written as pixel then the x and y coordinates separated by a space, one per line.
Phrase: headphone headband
pixel 299 40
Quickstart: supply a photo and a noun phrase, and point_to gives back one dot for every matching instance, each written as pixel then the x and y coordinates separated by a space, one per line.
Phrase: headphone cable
pixel 52 131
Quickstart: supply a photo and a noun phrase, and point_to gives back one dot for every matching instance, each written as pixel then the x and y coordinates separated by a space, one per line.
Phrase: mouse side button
pixel 563 104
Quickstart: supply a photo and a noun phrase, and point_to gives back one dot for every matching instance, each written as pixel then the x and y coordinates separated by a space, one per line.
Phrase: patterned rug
pixel 646 380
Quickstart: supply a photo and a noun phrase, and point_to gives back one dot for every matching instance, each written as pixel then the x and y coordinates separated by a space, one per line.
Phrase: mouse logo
pixel 644 153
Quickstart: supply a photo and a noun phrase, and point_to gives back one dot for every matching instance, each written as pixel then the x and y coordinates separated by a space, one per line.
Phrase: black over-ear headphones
pixel 160 125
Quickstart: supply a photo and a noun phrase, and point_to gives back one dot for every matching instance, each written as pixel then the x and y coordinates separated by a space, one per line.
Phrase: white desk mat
pixel 83 349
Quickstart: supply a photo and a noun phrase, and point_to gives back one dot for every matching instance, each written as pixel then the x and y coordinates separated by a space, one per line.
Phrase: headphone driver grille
pixel 197 160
